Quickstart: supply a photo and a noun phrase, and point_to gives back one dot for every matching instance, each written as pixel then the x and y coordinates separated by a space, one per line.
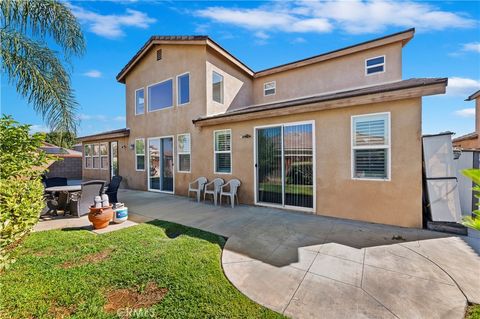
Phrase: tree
pixel 31 66
pixel 21 189
pixel 62 139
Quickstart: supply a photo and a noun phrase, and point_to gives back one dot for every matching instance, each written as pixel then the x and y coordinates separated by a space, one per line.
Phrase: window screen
pixel 371 146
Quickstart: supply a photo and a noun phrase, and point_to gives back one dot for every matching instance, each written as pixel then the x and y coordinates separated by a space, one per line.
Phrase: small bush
pixel 21 190
pixel 474 220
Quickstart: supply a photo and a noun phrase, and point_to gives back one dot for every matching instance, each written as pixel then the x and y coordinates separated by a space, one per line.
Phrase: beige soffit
pixel 403 36
pixel 105 135
pixel 379 93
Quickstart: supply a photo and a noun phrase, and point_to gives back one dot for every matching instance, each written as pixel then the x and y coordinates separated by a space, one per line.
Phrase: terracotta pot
pixel 100 217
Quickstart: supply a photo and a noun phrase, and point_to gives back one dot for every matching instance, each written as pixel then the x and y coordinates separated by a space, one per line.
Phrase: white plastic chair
pixel 197 186
pixel 213 188
pixel 233 186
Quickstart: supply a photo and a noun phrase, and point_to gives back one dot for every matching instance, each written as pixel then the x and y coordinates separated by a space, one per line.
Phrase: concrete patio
pixel 307 266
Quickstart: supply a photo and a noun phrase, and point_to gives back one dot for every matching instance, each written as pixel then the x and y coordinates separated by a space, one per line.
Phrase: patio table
pixel 66 188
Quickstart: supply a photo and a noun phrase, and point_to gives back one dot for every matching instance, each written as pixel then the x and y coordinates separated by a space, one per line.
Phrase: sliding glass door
pixel 284 166
pixel 160 164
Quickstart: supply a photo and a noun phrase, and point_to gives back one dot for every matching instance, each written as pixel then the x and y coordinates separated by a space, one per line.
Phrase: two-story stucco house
pixel 337 134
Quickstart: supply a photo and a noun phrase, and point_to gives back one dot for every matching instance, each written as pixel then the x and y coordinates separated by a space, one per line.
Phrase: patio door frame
pixel 147 147
pixel 314 167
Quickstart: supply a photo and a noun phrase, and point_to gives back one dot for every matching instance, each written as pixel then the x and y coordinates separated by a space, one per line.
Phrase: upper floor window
pixel 139 101
pixel 183 89
pixel 223 151
pixel 160 95
pixel 371 146
pixel 375 65
pixel 217 87
pixel 269 88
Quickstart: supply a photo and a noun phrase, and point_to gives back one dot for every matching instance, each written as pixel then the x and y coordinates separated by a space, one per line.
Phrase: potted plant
pixel 473 222
pixel 100 217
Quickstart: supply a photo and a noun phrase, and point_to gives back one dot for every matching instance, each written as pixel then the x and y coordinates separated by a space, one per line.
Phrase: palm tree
pixel 31 66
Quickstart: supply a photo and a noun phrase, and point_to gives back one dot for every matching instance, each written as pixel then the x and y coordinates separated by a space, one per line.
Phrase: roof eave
pixel 333 103
pixel 474 96
pixel 105 135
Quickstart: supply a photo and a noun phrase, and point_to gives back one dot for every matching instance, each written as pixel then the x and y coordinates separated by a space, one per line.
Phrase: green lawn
pixel 473 312
pixel 289 189
pixel 76 273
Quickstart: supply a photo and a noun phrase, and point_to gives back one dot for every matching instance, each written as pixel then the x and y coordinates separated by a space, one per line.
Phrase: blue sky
pixel 265 34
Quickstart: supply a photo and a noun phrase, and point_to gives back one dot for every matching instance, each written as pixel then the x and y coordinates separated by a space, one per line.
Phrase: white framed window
pixel 269 88
pixel 140 154
pixel 375 65
pixel 183 152
pixel 183 89
pixel 139 101
pixel 104 156
pixel 96 156
pixel 371 146
pixel 222 159
pixel 160 95
pixel 87 152
pixel 217 87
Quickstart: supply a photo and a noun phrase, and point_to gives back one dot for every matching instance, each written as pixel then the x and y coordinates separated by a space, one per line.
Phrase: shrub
pixel 21 189
pixel 300 173
pixel 474 220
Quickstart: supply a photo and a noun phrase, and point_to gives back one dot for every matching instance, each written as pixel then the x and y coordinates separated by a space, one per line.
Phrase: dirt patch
pixel 132 299
pixel 60 312
pixel 89 259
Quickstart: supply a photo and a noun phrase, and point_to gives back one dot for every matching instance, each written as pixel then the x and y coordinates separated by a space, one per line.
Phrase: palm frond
pixel 39 76
pixel 44 18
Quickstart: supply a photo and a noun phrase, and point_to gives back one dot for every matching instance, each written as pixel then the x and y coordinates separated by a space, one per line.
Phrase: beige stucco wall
pixel 332 75
pixel 238 86
pixel 396 202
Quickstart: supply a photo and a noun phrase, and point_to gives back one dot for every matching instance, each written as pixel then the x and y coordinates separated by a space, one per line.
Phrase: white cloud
pixel 472 46
pixel 470 112
pixel 93 74
pixel 462 86
pixel 299 40
pixel 100 117
pixel 355 16
pixel 111 25
pixel 264 20
pixel 262 35
pixel 119 118
pixel 38 128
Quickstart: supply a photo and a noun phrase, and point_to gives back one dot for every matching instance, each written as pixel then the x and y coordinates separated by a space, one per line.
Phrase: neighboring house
pixel 337 134
pixel 68 165
pixel 471 140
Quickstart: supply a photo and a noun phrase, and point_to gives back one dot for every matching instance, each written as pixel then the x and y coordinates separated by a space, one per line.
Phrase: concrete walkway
pixel 307 266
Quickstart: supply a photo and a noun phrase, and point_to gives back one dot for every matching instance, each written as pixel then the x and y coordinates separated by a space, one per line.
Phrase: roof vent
pixel 159 54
